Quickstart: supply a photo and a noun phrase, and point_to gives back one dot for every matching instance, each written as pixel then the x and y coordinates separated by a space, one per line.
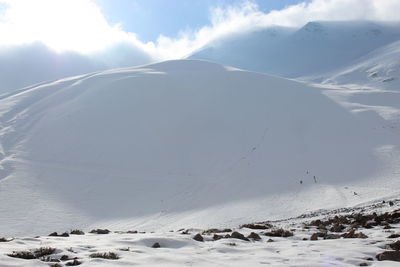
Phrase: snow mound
pixel 182 143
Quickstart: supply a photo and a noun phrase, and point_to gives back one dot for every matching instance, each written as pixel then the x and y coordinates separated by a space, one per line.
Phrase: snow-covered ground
pixel 178 248
pixel 185 144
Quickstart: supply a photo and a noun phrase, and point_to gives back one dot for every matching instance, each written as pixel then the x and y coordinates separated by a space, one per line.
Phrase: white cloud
pixel 79 25
pixel 247 17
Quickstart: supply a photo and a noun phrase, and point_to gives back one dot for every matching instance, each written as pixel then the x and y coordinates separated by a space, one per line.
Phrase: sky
pixel 151 18
pixel 163 29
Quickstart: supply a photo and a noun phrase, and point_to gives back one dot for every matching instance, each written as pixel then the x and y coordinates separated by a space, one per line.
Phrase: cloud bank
pixel 247 17
pixel 79 25
pixel 79 28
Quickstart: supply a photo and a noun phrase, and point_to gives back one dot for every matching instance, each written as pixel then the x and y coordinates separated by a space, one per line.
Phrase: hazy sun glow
pixel 61 24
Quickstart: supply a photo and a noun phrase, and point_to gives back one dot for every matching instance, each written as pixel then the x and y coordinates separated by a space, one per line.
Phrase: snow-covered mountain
pixel 316 48
pixel 378 69
pixel 183 143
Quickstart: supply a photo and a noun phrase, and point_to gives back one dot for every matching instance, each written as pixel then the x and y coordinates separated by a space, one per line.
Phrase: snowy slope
pixel 36 63
pixel 378 69
pixel 183 143
pixel 316 48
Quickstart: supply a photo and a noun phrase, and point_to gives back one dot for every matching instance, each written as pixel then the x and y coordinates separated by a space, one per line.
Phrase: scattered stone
pixel 254 236
pixel 132 232
pixel 217 237
pixel 238 235
pixel 100 231
pixel 77 232
pixel 337 228
pixel 270 240
pixel 389 256
pixel 49 259
pixel 185 232
pixel 73 263
pixel 64 258
pixel 3 239
pixel 395 245
pixel 198 237
pixel 256 226
pixel 28 255
pixel 391 203
pixel 217 231
pixel 62 235
pixel 314 236
pixel 107 255
pixel 394 236
pixel 363 264
pixel 279 233
pixel 332 236
pixel 353 234
pixel 156 245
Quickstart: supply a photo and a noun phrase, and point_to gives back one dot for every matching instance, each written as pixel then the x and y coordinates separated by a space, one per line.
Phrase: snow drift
pixel 182 143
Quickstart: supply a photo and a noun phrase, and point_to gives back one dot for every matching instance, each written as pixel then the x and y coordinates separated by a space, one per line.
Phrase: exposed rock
pixel 337 228
pixel 279 233
pixel 100 231
pixel 216 231
pixel 389 256
pixel 314 236
pixel 198 237
pixel 353 234
pixel 394 236
pixel 254 236
pixel 73 263
pixel 77 232
pixel 185 232
pixel 62 235
pixel 217 237
pixel 156 245
pixel 395 245
pixel 256 226
pixel 238 235
pixel 332 236
pixel 64 258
